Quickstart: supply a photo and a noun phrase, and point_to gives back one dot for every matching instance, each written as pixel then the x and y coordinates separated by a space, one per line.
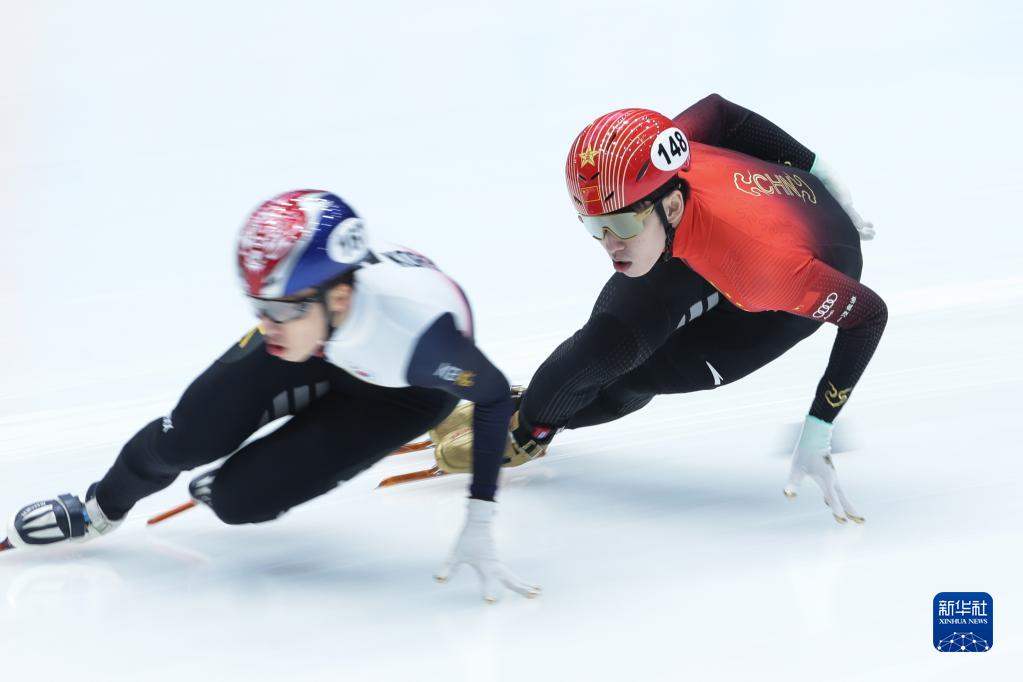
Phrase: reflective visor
pixel 281 311
pixel 624 224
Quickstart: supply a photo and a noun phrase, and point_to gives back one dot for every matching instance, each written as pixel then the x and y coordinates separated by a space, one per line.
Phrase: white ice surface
pixel 136 135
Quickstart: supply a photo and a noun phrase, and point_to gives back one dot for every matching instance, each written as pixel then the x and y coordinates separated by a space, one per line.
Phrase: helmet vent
pixel 642 171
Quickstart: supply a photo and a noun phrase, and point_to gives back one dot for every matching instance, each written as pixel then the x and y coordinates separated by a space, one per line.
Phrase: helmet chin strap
pixel 669 231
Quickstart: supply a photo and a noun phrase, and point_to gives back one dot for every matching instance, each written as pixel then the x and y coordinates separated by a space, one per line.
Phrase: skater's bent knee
pixel 184 451
pixel 235 507
pixel 236 513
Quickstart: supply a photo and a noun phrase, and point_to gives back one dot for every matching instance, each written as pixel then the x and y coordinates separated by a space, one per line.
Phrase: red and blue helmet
pixel 298 240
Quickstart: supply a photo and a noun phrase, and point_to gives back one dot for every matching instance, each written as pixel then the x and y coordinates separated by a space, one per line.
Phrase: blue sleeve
pixel 446 359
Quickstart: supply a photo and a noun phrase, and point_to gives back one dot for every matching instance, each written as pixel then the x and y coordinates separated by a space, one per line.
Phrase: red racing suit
pixel 769 235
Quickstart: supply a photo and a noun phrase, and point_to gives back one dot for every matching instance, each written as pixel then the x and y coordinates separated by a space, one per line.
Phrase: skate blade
pixel 418 446
pixel 432 472
pixel 171 512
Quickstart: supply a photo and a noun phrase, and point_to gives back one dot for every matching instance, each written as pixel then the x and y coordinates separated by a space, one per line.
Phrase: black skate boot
pixel 201 487
pixel 64 519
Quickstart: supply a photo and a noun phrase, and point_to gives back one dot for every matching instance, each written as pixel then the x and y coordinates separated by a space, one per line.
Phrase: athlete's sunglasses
pixel 283 311
pixel 624 225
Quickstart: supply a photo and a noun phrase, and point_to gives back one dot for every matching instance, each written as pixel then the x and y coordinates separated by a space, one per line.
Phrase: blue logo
pixel 963 621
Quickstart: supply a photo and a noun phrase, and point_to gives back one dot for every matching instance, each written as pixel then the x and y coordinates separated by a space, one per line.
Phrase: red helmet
pixel 623 157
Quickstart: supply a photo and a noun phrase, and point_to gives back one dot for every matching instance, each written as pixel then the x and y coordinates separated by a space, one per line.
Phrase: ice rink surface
pixel 136 137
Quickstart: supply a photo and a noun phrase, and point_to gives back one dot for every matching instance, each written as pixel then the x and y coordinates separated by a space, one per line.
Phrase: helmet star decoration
pixel 587 157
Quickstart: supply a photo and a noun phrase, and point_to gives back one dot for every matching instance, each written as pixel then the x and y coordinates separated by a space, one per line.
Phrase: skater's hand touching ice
pixel 475 547
pixel 813 458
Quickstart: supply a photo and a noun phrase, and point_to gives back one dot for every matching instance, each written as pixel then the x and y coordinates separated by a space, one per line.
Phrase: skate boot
pixel 201 487
pixel 64 519
pixel 461 417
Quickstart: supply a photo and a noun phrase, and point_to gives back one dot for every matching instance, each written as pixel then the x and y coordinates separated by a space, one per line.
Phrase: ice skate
pixel 200 489
pixel 63 519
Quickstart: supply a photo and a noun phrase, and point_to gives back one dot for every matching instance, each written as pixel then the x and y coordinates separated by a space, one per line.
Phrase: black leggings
pixel 666 332
pixel 726 346
pixel 340 426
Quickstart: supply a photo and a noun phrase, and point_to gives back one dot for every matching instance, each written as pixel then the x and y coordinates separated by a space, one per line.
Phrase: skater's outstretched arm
pixel 716 121
pixel 449 360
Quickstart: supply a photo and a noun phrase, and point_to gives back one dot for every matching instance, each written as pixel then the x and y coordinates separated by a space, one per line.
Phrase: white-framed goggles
pixel 624 224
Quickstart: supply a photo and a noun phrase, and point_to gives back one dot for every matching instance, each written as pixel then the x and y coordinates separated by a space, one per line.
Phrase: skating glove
pixel 475 547
pixel 813 458
pixel 827 176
